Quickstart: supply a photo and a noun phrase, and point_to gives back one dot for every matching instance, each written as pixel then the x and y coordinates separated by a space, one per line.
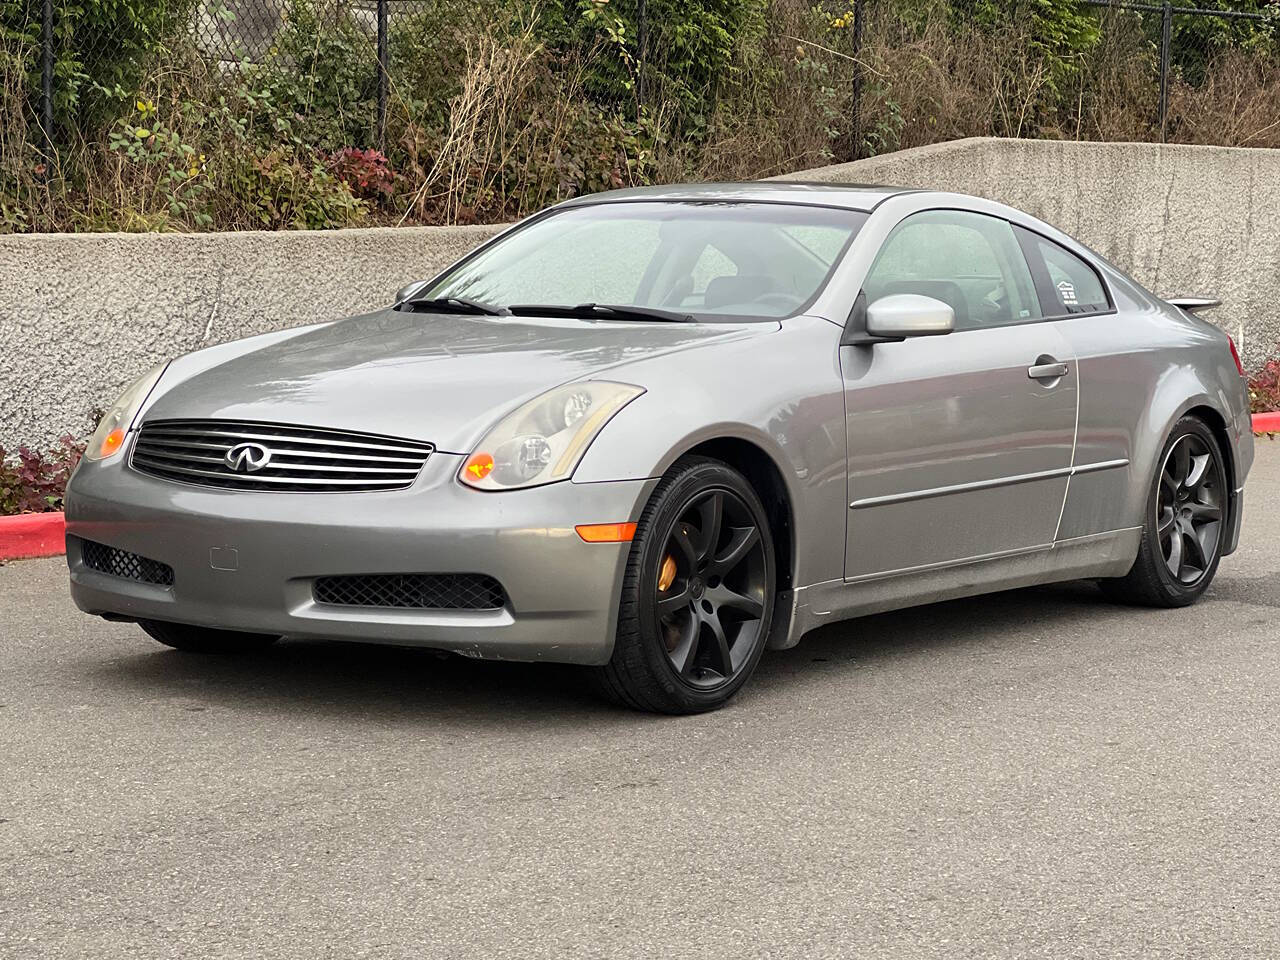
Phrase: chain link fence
pixel 230 35
pixel 1186 40
pixel 1144 73
pixel 223 114
pixel 1167 45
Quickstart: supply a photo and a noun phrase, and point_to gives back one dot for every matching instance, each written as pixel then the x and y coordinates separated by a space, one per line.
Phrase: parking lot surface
pixel 1037 773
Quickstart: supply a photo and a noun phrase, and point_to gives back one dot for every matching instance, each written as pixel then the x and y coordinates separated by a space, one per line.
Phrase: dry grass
pixel 1237 105
pixel 785 107
pixel 521 129
pixel 488 122
pixel 1115 91
pixel 935 81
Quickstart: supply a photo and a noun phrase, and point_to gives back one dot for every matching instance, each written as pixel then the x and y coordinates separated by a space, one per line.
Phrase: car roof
pixel 851 196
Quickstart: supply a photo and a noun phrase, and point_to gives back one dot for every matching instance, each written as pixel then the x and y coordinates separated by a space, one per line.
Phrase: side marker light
pixel 606 532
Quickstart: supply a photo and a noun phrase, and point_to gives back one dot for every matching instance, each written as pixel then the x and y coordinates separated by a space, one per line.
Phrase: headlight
pixel 108 439
pixel 542 441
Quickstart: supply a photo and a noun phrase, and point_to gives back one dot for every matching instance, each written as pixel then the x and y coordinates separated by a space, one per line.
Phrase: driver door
pixel 959 446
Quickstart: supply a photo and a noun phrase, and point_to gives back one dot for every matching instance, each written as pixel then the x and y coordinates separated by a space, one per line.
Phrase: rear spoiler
pixel 1194 304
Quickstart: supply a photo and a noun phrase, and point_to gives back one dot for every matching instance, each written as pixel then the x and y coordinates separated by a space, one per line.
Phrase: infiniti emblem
pixel 247 457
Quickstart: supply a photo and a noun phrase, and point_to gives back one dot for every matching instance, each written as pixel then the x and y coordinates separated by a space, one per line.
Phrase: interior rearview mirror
pixel 408 290
pixel 909 315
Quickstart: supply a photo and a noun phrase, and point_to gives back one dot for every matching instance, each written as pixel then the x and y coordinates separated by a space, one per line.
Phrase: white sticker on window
pixel 1067 293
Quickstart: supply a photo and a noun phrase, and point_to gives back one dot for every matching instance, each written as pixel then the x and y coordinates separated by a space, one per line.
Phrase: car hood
pixel 442 378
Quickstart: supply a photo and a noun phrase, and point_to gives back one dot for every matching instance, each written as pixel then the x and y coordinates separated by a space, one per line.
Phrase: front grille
pixel 297 458
pixel 420 591
pixel 122 563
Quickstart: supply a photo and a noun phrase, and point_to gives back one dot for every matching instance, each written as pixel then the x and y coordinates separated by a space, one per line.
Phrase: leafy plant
pixel 365 172
pixel 35 482
pixel 172 166
pixel 1264 388
pixel 103 48
pixel 283 189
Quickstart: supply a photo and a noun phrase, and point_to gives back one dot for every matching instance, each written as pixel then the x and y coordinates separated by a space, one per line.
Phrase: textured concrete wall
pixel 81 315
pixel 1179 219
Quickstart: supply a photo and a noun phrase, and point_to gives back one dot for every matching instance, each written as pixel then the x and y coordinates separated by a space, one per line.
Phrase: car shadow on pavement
pixel 382 683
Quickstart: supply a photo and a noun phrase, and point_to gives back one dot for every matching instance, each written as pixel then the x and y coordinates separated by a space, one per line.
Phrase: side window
pixel 969 261
pixel 1075 286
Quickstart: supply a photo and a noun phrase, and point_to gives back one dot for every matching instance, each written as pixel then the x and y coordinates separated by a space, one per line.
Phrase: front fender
pixel 782 394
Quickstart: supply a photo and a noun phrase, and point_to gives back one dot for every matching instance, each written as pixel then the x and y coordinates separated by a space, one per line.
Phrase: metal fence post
pixel 384 79
pixel 1166 40
pixel 46 74
pixel 855 119
pixel 642 42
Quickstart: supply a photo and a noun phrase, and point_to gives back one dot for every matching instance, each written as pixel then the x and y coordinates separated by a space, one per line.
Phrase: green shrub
pixel 104 48
pixel 319 81
pixel 281 189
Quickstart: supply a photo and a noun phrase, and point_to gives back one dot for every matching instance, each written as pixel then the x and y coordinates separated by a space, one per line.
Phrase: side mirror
pixel 909 315
pixel 409 289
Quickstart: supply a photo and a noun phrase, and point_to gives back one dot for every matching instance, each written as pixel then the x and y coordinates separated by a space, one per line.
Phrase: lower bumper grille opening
pixel 121 563
pixel 416 591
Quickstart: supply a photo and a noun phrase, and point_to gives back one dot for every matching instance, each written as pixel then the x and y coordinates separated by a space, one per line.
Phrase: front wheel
pixel 1185 523
pixel 183 636
pixel 697 594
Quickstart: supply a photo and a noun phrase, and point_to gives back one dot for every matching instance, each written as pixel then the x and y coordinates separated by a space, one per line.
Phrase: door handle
pixel 1046 368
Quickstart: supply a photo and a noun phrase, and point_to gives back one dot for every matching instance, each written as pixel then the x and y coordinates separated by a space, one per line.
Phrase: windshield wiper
pixel 603 311
pixel 457 305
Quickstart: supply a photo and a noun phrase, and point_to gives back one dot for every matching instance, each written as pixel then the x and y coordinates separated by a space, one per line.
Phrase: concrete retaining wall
pixel 81 315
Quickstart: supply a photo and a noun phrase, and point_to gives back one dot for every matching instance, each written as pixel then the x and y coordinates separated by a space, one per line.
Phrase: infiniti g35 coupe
pixel 656 431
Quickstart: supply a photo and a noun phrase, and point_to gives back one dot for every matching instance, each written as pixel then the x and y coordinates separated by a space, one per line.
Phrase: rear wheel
pixel 1185 523
pixel 183 636
pixel 697 595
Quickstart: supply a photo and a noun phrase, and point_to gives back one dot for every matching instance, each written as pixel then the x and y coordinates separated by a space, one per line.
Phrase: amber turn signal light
pixel 112 442
pixel 480 465
pixel 606 532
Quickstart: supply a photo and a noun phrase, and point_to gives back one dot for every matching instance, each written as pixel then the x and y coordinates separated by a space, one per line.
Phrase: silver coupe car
pixel 656 431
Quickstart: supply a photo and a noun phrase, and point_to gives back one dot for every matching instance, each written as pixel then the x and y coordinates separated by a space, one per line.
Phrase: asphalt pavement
pixel 1032 774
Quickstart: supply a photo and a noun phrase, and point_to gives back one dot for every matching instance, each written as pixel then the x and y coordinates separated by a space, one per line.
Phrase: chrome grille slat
pixel 303 459
pixel 227 475
pixel 325 455
pixel 320 441
pixel 399 473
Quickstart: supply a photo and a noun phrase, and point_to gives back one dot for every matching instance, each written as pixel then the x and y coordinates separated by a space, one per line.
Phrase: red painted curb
pixel 32 535
pixel 1266 422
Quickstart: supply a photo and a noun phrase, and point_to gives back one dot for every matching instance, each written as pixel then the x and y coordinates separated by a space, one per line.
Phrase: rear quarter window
pixel 1075 286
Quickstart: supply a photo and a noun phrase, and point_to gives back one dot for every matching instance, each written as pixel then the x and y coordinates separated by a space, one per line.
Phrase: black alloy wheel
pixel 1186 522
pixel 697 593
pixel 1190 507
pixel 711 583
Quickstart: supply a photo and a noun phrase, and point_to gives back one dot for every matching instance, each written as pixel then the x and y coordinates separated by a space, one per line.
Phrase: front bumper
pixel 562 593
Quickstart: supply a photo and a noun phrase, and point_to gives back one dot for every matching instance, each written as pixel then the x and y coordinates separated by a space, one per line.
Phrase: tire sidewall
pixel 697 477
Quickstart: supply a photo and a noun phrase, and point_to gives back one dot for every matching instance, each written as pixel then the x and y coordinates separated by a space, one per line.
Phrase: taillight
pixel 1235 355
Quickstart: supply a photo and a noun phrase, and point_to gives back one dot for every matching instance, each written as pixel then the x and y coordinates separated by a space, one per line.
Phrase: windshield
pixel 709 260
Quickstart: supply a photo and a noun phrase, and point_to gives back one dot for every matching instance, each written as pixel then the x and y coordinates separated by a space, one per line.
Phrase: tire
pixel 191 639
pixel 717 565
pixel 1187 515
